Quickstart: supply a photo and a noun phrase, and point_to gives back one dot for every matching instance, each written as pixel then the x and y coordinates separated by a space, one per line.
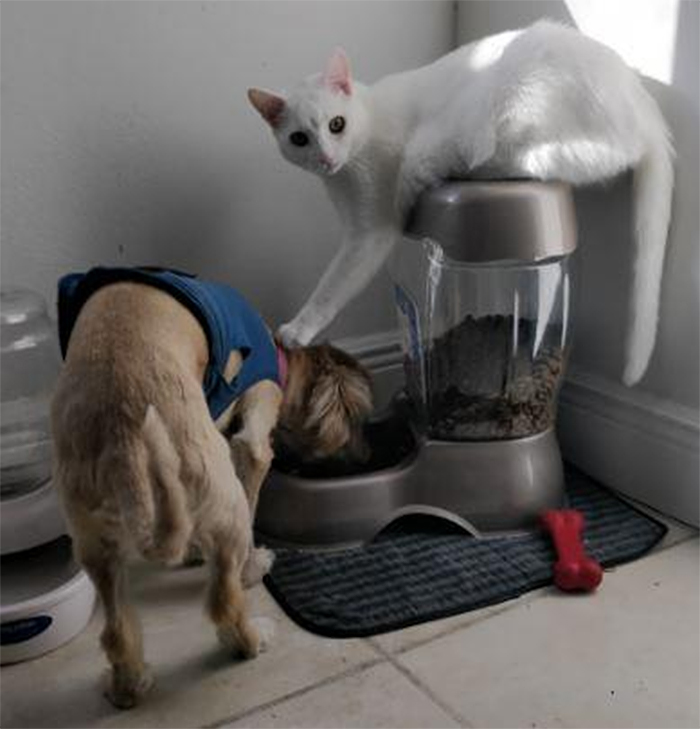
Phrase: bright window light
pixel 642 32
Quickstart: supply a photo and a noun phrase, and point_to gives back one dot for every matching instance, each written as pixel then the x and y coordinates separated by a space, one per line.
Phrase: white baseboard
pixel 639 444
pixel 375 351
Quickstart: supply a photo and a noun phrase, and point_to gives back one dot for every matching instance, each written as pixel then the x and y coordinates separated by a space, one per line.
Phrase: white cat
pixel 545 102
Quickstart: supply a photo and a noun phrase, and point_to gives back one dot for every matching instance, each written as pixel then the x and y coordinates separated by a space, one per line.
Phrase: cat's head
pixel 318 125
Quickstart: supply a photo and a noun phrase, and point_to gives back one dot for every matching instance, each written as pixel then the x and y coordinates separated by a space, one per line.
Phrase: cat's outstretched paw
pixel 295 334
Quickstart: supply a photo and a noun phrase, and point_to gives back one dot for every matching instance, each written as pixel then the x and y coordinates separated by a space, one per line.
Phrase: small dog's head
pixel 327 400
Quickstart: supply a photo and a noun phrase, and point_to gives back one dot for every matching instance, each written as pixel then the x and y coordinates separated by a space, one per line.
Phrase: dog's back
pixel 134 364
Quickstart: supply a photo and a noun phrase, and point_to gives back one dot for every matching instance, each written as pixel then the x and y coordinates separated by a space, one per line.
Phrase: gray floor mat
pixel 424 569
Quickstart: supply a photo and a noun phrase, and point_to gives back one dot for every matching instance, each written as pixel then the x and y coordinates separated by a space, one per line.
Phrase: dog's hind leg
pixel 227 539
pixel 103 559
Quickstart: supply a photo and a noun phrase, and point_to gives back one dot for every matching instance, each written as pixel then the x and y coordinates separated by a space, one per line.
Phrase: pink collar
pixel 282 366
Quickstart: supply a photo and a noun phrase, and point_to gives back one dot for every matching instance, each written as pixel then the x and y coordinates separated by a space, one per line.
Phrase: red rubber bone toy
pixel 574 569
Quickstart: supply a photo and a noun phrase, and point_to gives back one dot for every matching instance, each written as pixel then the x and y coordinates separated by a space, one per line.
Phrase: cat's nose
pixel 328 163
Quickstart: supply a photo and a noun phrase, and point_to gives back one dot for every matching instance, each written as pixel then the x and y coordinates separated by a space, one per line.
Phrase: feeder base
pixel 485 486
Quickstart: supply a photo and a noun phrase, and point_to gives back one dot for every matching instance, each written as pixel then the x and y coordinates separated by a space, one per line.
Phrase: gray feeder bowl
pixel 489 486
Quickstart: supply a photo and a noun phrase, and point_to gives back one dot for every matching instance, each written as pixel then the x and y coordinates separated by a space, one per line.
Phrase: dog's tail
pixel 151 495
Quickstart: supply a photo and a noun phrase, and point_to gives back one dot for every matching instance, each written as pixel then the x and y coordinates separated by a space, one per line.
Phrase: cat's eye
pixel 299 139
pixel 336 124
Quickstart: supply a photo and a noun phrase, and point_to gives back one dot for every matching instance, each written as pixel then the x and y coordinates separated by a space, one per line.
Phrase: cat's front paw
pixel 296 334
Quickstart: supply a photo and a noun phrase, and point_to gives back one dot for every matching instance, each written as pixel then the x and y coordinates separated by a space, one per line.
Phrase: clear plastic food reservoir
pixel 483 293
pixel 30 363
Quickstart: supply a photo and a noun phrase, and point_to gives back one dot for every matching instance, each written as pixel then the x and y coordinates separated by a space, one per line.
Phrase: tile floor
pixel 625 657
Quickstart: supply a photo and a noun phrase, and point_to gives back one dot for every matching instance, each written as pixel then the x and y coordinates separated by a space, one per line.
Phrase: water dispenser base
pixel 46 601
pixel 485 486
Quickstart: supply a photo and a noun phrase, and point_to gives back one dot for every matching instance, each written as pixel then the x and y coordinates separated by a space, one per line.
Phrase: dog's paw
pixel 247 641
pixel 258 564
pixel 124 688
pixel 193 556
pixel 265 628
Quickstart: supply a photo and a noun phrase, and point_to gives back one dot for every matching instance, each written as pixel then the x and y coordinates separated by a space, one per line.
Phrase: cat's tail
pixel 152 499
pixel 653 192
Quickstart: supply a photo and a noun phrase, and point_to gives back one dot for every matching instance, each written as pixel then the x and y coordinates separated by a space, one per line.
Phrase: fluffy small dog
pixel 162 421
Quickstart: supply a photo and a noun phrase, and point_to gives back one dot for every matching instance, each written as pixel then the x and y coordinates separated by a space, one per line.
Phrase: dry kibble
pixel 487 382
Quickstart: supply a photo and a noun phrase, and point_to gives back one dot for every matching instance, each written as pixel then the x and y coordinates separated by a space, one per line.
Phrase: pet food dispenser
pixel 483 291
pixel 46 598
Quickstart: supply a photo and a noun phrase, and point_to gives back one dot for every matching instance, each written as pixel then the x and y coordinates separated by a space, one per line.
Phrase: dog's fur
pixel 139 461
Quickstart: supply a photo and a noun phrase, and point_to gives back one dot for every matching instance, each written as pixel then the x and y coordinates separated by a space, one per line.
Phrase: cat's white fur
pixel 545 102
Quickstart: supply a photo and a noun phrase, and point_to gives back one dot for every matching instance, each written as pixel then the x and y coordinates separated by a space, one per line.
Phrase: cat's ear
pixel 337 73
pixel 269 106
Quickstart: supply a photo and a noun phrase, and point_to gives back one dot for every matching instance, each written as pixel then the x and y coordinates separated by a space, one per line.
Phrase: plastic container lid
pixel 482 222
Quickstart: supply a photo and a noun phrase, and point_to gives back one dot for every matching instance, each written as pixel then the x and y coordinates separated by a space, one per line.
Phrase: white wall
pixel 127 138
pixel 645 440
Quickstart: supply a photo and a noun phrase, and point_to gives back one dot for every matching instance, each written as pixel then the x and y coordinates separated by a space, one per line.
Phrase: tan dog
pixel 139 460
